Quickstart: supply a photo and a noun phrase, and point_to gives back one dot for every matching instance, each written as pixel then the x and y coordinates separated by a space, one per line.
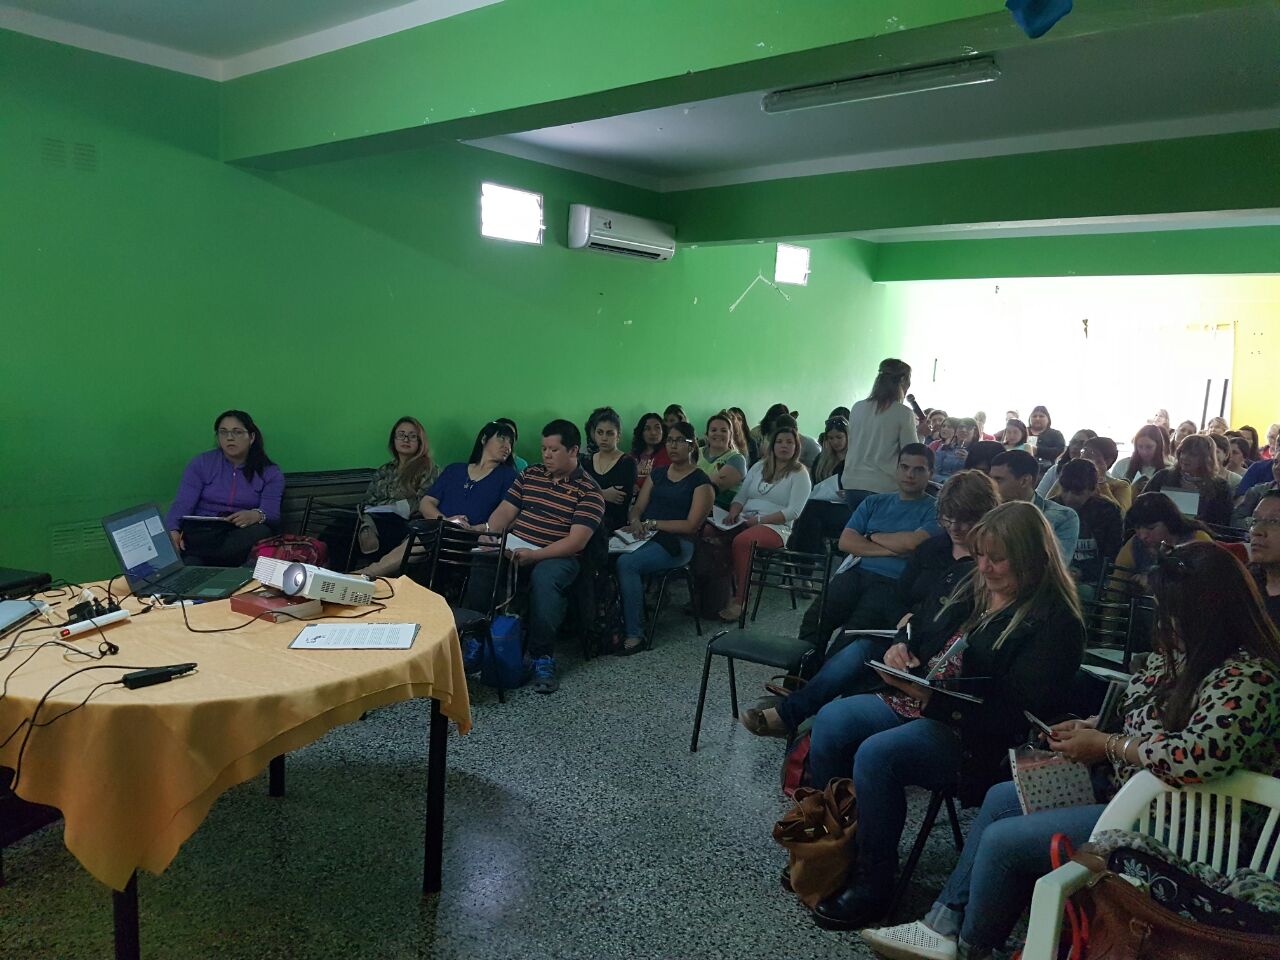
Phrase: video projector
pixel 314 583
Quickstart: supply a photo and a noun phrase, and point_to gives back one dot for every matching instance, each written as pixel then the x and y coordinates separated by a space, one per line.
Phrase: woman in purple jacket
pixel 235 483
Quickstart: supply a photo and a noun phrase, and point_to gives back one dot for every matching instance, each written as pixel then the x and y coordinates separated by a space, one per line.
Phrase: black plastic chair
pixel 770 569
pixel 457 553
pixel 936 800
pixel 663 577
pixel 420 550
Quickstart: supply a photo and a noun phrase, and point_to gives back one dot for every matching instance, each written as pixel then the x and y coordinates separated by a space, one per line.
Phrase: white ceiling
pixel 221 39
pixel 1213 73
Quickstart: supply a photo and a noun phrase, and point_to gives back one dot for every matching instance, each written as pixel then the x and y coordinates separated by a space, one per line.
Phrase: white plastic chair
pixel 1200 823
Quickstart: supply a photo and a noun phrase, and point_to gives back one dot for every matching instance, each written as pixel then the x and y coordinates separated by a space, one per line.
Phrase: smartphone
pixel 1037 722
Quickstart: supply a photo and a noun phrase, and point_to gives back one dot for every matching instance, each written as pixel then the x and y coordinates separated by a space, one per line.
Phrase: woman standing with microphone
pixel 879 427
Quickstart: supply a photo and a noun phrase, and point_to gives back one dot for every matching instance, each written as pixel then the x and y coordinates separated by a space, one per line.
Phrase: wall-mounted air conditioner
pixel 591 228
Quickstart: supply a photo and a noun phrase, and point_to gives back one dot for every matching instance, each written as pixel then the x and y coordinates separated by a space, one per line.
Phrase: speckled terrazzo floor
pixel 577 825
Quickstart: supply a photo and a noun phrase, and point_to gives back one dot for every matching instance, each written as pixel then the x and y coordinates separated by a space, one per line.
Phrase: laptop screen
pixel 141 543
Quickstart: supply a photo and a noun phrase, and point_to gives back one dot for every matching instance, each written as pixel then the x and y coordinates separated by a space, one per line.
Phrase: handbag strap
pixel 1060 852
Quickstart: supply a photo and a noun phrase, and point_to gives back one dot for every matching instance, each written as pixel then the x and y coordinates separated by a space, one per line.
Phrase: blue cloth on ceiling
pixel 1036 17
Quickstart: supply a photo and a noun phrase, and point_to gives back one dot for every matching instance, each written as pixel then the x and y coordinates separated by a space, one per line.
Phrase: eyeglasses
pixel 679 440
pixel 1260 523
pixel 947 523
pixel 235 434
pixel 400 435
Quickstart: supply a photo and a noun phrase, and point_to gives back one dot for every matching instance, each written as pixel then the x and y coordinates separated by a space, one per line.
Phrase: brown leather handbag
pixel 818 833
pixel 1117 921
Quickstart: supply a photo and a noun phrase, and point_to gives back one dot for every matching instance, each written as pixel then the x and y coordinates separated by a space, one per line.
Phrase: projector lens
pixel 294 579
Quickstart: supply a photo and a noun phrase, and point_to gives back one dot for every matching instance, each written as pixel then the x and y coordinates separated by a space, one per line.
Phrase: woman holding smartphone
pixel 1206 704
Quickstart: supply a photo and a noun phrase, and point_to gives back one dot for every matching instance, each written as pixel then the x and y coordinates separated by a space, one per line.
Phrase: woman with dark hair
pixel 1156 523
pixel 952 452
pixel 1222 450
pixel 1185 429
pixel 613 470
pixel 765 427
pixel 648 447
pixel 235 482
pixel 394 492
pixel 673 414
pixel 1238 456
pixel 1049 442
pixel 1205 704
pixel 1197 471
pixel 517 461
pixel 464 494
pixel 766 505
pixel 879 427
pixel 1074 449
pixel 982 453
pixel 1015 435
pixel 1149 457
pixel 723 464
pixel 1024 635
pixel 1251 435
pixel 668 513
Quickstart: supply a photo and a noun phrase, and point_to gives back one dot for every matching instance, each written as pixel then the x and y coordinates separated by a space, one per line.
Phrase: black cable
pixel 282 613
pixel 33 721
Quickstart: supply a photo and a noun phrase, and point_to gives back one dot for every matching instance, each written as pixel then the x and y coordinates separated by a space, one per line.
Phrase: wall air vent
pixel 84 157
pixel 53 152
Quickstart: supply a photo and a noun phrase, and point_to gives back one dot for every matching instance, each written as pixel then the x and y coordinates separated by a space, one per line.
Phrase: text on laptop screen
pixel 142 543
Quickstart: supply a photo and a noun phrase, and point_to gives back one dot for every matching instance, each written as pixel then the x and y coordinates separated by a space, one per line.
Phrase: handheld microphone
pixel 911 399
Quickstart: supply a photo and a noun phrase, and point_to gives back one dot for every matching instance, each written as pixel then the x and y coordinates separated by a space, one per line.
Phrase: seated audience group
pixel 980 553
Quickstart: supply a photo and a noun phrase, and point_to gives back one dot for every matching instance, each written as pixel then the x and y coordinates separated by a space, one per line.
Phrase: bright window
pixel 510 214
pixel 792 265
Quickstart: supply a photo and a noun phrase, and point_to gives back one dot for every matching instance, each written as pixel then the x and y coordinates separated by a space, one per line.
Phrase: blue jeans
pixel 549 582
pixel 1004 855
pixel 844 674
pixel 633 567
pixel 887 754
pixel 841 728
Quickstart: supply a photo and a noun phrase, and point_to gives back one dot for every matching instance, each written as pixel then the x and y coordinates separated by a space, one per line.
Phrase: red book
pixel 275 607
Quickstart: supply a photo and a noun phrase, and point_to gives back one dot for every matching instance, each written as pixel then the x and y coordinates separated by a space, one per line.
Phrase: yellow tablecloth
pixel 135 772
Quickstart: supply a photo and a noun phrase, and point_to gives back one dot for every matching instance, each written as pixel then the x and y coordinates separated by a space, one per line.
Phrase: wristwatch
pixel 262 513
pixel 651 526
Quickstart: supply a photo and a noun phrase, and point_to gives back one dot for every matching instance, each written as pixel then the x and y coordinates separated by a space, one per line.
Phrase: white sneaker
pixel 909 941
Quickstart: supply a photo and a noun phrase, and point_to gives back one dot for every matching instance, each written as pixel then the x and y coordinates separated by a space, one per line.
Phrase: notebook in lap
pixel 1187 501
pixel 152 566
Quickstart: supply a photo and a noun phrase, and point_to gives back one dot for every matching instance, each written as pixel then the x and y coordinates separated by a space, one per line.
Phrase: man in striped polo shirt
pixel 554 508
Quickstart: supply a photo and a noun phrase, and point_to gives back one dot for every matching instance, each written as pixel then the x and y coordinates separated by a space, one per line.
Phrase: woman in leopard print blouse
pixel 1206 704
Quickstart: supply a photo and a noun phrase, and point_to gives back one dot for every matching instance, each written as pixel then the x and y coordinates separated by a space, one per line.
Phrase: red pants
pixel 760 536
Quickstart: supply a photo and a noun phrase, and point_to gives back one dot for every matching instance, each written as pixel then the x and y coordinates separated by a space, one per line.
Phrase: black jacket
pixel 930 576
pixel 1033 670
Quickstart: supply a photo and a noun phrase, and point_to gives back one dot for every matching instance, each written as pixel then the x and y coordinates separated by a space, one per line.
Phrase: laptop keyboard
pixel 187 581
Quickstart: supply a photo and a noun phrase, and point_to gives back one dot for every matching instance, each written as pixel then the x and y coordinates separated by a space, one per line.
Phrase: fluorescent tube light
pixel 961 73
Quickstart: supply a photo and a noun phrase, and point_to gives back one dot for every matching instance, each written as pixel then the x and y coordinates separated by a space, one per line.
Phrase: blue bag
pixel 503 662
pixel 1036 17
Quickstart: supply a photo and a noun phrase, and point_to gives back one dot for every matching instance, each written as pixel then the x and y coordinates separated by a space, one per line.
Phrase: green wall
pixel 1232 250
pixel 163 286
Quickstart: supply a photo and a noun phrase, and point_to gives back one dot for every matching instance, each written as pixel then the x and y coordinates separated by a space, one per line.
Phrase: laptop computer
pixel 152 566
pixel 14 613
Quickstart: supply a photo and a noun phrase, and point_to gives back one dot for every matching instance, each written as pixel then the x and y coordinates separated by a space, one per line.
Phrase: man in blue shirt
pixel 1260 472
pixel 1015 473
pixel 882 532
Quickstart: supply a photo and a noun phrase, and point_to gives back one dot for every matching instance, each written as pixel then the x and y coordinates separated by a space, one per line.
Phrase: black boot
pixel 862 903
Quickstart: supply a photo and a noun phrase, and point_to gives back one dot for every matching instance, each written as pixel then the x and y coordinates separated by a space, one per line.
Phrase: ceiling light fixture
pixel 941 76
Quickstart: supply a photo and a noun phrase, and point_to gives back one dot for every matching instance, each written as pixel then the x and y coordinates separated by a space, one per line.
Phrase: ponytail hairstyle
pixel 892 382
pixel 598 416
pixel 257 461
